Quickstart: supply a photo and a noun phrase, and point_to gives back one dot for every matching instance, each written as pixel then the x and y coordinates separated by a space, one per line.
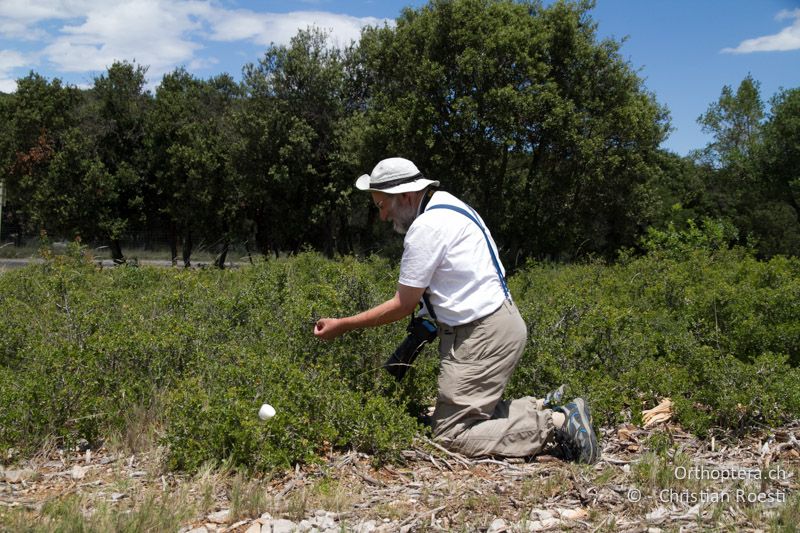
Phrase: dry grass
pixel 147 510
pixel 248 497
pixel 143 428
pixel 128 490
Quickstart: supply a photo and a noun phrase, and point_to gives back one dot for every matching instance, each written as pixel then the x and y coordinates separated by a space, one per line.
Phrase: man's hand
pixel 402 305
pixel 329 328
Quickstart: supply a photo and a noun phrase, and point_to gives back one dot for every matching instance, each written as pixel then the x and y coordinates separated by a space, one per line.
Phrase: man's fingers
pixel 321 329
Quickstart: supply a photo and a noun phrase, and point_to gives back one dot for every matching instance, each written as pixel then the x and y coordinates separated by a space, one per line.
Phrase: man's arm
pixel 402 305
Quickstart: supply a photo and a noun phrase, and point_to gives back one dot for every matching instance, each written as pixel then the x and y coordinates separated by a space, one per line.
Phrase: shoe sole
pixel 553 398
pixel 582 417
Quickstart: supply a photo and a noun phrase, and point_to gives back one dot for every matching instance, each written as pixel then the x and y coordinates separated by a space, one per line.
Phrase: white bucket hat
pixel 394 176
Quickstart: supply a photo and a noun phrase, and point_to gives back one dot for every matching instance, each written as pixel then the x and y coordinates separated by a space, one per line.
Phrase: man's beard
pixel 403 218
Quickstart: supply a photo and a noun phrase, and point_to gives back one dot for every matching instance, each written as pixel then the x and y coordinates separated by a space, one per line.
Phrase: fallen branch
pixel 457 456
pixel 369 479
pixel 421 516
pixel 496 462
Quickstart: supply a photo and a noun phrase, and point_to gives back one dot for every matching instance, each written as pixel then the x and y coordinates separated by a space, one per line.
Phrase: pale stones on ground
pixel 367 527
pixel 657 516
pixel 18 476
pixel 543 520
pixel 498 525
pixel 78 472
pixel 573 514
pixel 220 517
pixel 279 526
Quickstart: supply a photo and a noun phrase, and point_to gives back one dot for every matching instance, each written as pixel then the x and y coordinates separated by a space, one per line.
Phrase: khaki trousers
pixel 476 362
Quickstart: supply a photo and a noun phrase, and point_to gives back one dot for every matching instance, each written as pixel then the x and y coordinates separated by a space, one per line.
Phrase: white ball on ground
pixel 266 412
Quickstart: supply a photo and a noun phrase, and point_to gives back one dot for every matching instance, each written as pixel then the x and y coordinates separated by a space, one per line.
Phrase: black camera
pixel 421 331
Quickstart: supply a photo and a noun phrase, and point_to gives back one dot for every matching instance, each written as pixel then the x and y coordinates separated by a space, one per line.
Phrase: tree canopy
pixel 519 108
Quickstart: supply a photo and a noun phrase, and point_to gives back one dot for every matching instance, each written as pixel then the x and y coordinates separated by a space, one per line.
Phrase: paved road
pixel 13 263
pixel 8 264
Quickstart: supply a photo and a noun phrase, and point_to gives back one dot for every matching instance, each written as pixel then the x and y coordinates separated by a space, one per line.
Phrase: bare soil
pixel 658 479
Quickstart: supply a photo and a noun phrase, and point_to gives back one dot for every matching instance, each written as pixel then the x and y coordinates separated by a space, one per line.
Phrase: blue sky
pixel 685 50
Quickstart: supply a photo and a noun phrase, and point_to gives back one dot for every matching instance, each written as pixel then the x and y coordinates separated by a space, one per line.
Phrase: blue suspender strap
pixel 485 236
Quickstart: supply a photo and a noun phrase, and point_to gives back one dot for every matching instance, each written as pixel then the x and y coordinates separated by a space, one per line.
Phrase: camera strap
pixel 426 301
pixel 428 305
pixel 473 217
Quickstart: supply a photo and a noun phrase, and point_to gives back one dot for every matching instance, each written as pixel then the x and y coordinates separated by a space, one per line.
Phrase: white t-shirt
pixel 447 252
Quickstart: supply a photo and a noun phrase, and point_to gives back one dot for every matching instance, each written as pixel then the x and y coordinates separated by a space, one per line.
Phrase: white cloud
pixel 18 17
pixel 279 28
pixel 15 29
pixel 785 40
pixel 9 61
pixel 161 34
pixel 25 11
pixel 202 63
pixel 786 14
pixel 155 33
pixel 7 85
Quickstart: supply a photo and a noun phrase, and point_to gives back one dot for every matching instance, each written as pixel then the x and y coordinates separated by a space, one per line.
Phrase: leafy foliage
pixel 711 327
pixel 516 107
pixel 501 100
pixel 734 121
pixel 494 98
pixel 289 131
pixel 211 345
pixel 780 163
pixel 743 176
pixel 187 130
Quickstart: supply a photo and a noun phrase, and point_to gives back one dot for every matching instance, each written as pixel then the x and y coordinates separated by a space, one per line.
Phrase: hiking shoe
pixel 553 397
pixel 577 437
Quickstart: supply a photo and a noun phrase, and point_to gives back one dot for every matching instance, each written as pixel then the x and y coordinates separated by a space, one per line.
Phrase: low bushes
pixel 81 348
pixel 716 330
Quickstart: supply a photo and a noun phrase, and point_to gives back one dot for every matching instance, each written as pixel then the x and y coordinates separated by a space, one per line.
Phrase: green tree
pixel 77 155
pixel 734 121
pixel 746 167
pixel 38 124
pixel 779 161
pixel 117 123
pixel 733 189
pixel 225 98
pixel 676 193
pixel 189 156
pixel 522 111
pixel 6 157
pixel 7 140
pixel 289 137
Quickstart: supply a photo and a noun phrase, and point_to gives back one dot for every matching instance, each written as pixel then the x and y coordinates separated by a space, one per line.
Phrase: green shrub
pixel 215 416
pixel 81 348
pixel 85 346
pixel 714 329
